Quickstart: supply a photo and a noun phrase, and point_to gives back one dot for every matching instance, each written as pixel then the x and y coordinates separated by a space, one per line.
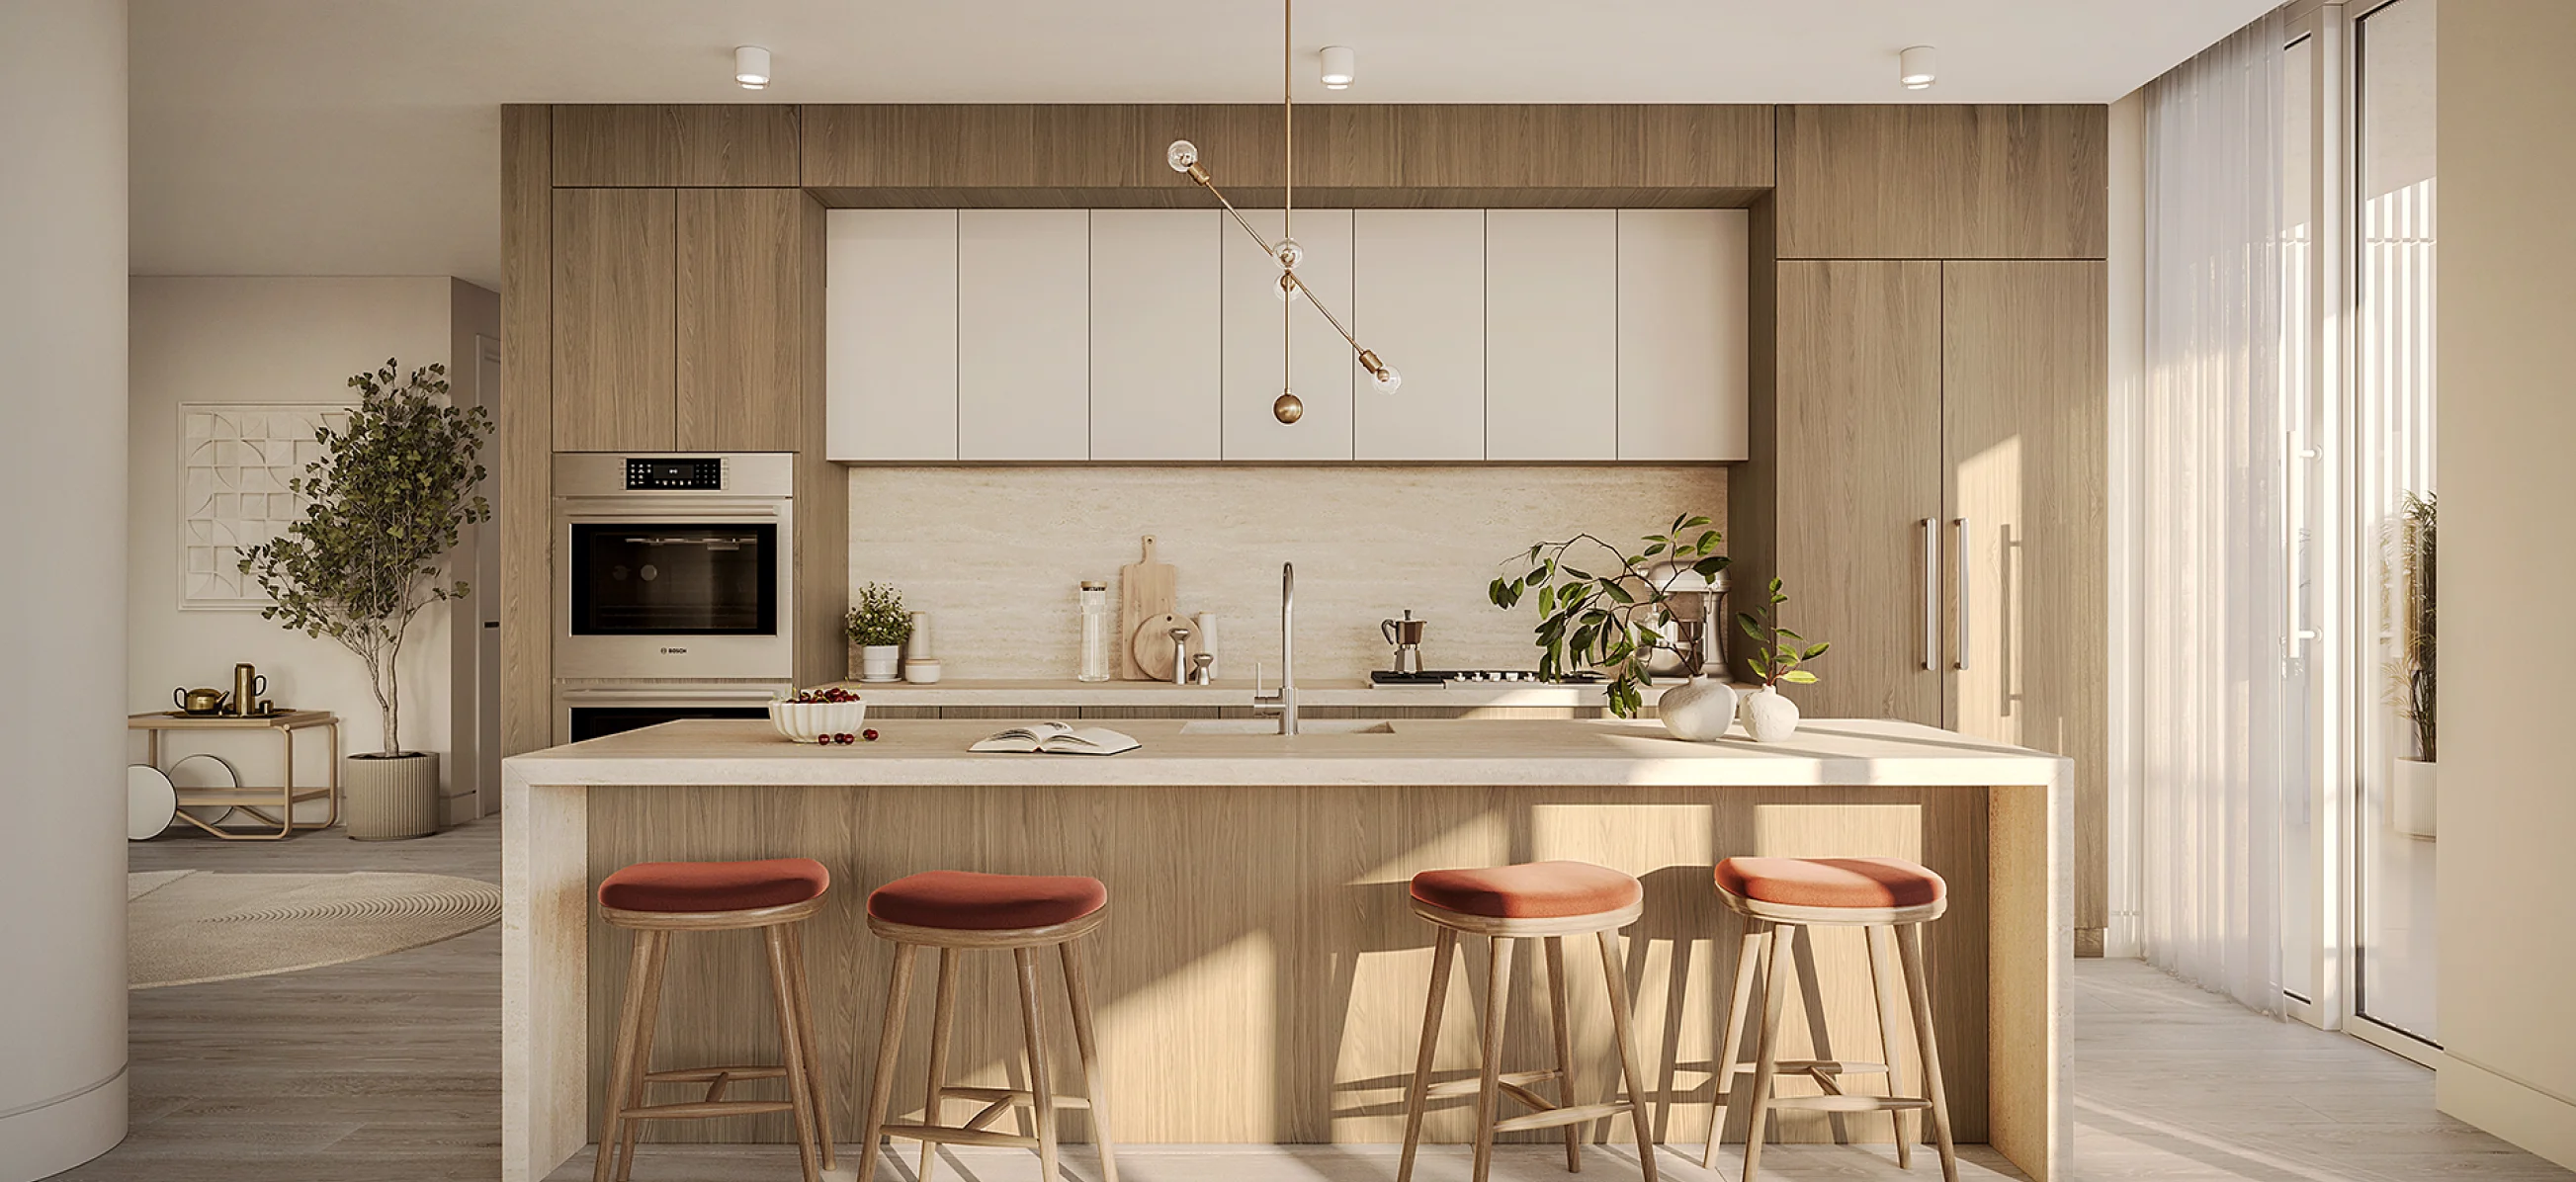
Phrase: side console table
pixel 252 800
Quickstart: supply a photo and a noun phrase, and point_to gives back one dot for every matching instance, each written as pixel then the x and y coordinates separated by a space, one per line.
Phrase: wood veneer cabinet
pixel 615 296
pixel 1943 181
pixel 677 145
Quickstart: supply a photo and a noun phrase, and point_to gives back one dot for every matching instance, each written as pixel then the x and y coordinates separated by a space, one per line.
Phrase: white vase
pixel 1698 709
pixel 878 662
pixel 1768 715
pixel 2413 805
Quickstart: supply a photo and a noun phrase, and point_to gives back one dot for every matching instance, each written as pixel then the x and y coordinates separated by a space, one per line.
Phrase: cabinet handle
pixel 1931 593
pixel 1960 544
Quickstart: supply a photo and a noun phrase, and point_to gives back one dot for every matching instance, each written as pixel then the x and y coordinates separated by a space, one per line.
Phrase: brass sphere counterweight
pixel 1288 409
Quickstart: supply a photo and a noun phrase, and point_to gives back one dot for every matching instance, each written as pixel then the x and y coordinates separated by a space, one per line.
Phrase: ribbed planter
pixel 389 799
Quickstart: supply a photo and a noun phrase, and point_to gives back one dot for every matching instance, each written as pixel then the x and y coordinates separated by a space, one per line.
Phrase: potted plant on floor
pixel 2412 803
pixel 383 507
pixel 1768 715
pixel 879 626
pixel 1615 620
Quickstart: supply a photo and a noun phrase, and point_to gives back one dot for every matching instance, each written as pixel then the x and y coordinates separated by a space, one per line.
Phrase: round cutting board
pixel 1152 644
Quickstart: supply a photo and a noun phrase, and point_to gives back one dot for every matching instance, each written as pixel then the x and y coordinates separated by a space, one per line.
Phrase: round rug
pixel 197 927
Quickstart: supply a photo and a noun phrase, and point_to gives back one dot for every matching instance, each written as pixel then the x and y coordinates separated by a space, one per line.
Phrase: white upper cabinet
pixel 1253 320
pixel 890 335
pixel 1023 334
pixel 1418 284
pixel 1156 334
pixel 1551 334
pixel 1682 334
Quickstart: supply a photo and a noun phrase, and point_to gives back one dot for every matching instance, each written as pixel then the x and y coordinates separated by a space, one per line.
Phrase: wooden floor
pixel 390 1068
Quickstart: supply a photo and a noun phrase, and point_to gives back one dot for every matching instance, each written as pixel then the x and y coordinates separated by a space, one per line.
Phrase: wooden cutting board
pixel 1146 589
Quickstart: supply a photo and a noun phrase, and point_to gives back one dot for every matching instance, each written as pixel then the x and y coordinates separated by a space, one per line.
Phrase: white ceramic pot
pixel 1698 710
pixel 808 722
pixel 878 662
pixel 389 799
pixel 2413 802
pixel 1768 715
pixel 921 670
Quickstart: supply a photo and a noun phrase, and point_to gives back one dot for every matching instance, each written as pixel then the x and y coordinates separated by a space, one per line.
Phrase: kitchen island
pixel 1260 978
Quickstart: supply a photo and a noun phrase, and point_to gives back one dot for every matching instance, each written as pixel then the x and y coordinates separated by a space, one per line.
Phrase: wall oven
pixel 674 566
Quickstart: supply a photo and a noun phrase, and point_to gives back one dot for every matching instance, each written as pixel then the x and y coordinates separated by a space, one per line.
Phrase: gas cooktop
pixel 1436 677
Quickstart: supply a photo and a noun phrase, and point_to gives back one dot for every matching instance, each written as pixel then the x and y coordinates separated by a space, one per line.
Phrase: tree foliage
pixel 1606 620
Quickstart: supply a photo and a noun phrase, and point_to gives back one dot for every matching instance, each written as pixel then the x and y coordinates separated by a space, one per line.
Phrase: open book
pixel 1058 738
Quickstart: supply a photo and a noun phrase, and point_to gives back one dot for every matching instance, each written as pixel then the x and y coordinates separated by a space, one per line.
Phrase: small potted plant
pixel 1611 620
pixel 384 506
pixel 2412 803
pixel 879 625
pixel 1767 714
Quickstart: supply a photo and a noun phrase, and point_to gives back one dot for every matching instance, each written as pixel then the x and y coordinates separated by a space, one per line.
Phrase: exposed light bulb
pixel 1287 287
pixel 1340 65
pixel 1181 155
pixel 1289 253
pixel 751 66
pixel 1386 380
pixel 1914 67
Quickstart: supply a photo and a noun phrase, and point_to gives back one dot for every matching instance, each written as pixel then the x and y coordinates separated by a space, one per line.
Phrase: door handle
pixel 1960 544
pixel 1931 593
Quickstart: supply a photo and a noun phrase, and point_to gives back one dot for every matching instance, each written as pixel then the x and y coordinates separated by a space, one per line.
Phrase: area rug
pixel 186 928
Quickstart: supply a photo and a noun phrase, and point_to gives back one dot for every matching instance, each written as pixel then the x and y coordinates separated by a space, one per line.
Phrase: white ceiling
pixel 340 137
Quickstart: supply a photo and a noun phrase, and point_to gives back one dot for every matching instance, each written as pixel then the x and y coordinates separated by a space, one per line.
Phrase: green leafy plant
pixel 384 505
pixel 2409 568
pixel 879 617
pixel 1606 620
pixel 1773 661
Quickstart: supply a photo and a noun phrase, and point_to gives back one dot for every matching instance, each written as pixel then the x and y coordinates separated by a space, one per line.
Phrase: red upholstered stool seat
pixel 714 886
pixel 1532 890
pixel 1831 882
pixel 962 900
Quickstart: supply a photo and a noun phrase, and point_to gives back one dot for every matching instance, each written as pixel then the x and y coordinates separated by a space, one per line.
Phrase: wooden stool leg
pixel 814 1073
pixel 1748 961
pixel 1040 1097
pixel 1077 992
pixel 889 1045
pixel 1783 959
pixel 800 1087
pixel 647 1021
pixel 1614 966
pixel 621 1061
pixel 1909 948
pixel 1417 1093
pixel 1883 978
pixel 1498 992
pixel 1556 1004
pixel 943 1016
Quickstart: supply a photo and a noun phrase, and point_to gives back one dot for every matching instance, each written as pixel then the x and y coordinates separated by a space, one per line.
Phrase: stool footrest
pixel 702 1109
pixel 1555 1117
pixel 1848 1103
pixel 946 1135
pixel 712 1074
pixel 1468 1087
pixel 1816 1066
pixel 1008 1096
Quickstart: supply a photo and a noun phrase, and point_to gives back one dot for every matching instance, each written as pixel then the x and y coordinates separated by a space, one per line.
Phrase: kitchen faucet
pixel 1283 703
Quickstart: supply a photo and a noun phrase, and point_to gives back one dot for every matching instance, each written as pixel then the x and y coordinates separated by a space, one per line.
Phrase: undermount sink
pixel 1270 726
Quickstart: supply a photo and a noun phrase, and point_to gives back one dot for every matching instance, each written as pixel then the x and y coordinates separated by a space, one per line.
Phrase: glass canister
pixel 1095 631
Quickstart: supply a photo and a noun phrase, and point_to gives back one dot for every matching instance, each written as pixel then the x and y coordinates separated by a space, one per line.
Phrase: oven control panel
pixel 667 475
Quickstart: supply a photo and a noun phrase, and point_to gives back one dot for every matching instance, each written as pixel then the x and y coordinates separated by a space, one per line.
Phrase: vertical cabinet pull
pixel 1959 543
pixel 1931 593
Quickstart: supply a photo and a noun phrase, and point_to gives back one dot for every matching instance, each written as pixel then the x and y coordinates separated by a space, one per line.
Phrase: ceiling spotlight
pixel 1341 64
pixel 751 66
pixel 1914 67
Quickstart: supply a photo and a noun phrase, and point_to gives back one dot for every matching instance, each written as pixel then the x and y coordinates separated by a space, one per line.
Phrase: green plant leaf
pixel 1799 676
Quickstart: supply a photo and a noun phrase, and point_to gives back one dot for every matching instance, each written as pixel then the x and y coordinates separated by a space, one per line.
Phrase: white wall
pixel 2507 376
pixel 994 554
pixel 62 635
pixel 267 340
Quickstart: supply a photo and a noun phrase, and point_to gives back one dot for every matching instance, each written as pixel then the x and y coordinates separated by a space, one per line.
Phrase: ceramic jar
pixel 879 662
pixel 1698 710
pixel 1768 716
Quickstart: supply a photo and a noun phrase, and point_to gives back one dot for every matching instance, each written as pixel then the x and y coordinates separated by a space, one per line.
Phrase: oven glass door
pixel 671 579
pixel 591 722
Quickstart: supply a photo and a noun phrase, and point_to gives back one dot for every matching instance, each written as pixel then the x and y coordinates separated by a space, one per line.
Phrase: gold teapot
pixel 199 701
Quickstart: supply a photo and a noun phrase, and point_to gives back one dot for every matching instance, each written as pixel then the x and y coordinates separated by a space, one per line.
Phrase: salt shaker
pixel 1095 631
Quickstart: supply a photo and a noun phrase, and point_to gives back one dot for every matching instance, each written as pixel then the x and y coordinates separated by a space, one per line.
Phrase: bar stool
pixel 656 899
pixel 953 910
pixel 1890 898
pixel 1542 900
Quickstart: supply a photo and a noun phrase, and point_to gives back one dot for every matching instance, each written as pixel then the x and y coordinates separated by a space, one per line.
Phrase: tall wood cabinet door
pixel 613 307
pixel 1418 301
pixel 2023 428
pixel 1023 334
pixel 890 335
pixel 1156 334
pixel 1683 362
pixel 1551 334
pixel 1258 330
pixel 741 319
pixel 1858 422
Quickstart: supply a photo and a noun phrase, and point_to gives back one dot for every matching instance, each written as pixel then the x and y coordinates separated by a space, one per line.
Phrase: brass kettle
pixel 199 701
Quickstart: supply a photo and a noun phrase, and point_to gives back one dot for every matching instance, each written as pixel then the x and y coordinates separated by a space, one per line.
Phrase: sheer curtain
pixel 2209 482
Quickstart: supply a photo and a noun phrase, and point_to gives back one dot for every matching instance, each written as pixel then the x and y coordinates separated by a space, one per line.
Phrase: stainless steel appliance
pixel 674 566
pixel 587 711
pixel 1406 636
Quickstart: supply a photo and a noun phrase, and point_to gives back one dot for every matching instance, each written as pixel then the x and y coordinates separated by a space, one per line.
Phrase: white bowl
pixel 808 722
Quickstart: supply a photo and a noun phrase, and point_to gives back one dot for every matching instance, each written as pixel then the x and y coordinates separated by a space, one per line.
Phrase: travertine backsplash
pixel 994 554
